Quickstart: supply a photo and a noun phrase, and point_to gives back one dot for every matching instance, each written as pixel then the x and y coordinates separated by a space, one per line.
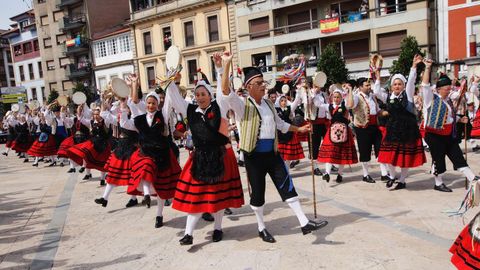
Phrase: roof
pixel 26 14
pixel 111 32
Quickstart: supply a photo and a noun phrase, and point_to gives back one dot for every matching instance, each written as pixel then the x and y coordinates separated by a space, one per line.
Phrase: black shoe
pixel 241 163
pixel 47 161
pixel 385 178
pixel 368 179
pixel 317 172
pixel 72 170
pixel 131 203
pixel 52 164
pixel 326 177
pixel 476 148
pixel 21 156
pixel 390 183
pixel 146 201
pixel 158 222
pixel 227 211
pixel 186 240
pixel 101 201
pixel 294 163
pixel 82 169
pixel 266 236
pixel 442 188
pixel 102 182
pixel 217 236
pixel 167 203
pixel 35 164
pixel 61 164
pixel 313 226
pixel 339 179
pixel 5 153
pixel 207 217
pixel 334 169
pixel 87 176
pixel 40 159
pixel 400 186
pixel 26 160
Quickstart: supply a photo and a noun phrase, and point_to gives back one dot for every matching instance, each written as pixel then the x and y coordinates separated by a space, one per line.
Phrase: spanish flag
pixel 329 25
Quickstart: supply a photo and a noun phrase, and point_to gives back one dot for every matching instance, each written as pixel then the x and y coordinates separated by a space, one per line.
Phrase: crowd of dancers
pixel 134 141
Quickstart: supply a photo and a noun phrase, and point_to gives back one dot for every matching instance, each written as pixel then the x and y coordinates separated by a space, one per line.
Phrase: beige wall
pixel 417 29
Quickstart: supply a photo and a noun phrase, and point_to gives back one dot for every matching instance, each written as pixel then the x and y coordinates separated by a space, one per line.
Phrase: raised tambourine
pixel 120 88
pixel 79 98
pixel 62 100
pixel 285 89
pixel 172 58
pixel 320 79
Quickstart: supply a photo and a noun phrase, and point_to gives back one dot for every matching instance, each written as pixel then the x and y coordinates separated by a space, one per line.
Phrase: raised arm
pixel 132 81
pixel 228 99
pixel 174 100
pixel 426 89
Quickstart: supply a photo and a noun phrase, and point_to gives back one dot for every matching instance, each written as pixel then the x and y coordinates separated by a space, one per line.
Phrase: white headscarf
pixel 206 85
pixel 153 94
pixel 399 77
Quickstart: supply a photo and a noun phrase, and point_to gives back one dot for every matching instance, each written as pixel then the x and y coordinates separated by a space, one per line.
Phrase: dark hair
pixel 352 83
pixel 159 90
pixel 272 91
pixel 360 81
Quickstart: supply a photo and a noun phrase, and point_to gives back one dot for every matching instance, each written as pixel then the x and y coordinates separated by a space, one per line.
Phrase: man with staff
pixel 259 124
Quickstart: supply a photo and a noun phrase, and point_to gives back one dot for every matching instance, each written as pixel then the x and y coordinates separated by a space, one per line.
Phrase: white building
pixel 26 55
pixel 113 57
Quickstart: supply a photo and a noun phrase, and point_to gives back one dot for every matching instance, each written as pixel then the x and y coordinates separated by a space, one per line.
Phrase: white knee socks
pixel 102 175
pixel 218 216
pixel 160 206
pixel 438 180
pixel 294 203
pixel 403 175
pixel 328 167
pixel 146 187
pixel 383 169
pixel 36 160
pixel 258 210
pixel 393 172
pixel 108 190
pixel 340 169
pixel 467 172
pixel 192 220
pixel 365 168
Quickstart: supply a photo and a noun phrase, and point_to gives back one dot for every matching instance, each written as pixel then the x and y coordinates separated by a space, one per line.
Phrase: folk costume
pixel 466 248
pixel 440 134
pixel 402 145
pixel 58 122
pixel 9 123
pixel 210 180
pixel 45 145
pixel 23 140
pixel 341 150
pixel 259 142
pixel 79 133
pixel 289 145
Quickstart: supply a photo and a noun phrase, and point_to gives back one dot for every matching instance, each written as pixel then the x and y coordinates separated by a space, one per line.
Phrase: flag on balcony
pixel 70 42
pixel 329 25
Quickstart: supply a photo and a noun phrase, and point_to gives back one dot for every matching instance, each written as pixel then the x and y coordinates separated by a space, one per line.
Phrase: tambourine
pixel 33 105
pixel 320 79
pixel 15 108
pixel 285 89
pixel 172 58
pixel 120 88
pixel 271 82
pixel 79 98
pixel 62 100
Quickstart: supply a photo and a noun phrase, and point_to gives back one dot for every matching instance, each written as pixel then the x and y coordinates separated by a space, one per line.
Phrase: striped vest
pixel 250 126
pixel 436 114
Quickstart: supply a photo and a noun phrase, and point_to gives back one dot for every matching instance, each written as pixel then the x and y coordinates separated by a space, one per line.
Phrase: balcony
pixel 79 70
pixel 80 46
pixel 65 3
pixel 143 9
pixel 73 22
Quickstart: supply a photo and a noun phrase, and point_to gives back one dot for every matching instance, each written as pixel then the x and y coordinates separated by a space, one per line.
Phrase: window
pixel 147 42
pixel 259 28
pixel 100 49
pixel 44 20
pixel 47 42
pixel 30 71
pixel 124 42
pixel 151 77
pixel 57 15
pixel 113 76
pixel 34 93
pixel 192 70
pixel 167 38
pixel 356 49
pixel 64 61
pixel 40 69
pixel 61 39
pixel 389 43
pixel 41 1
pixel 10 72
pixel 391 6
pixel 22 74
pixel 42 89
pixel 35 45
pixel 27 48
pixel 67 85
pixel 214 73
pixel 111 47
pixel 476 32
pixel 9 56
pixel 300 21
pixel 189 35
pixel 262 61
pixel 52 86
pixel 17 49
pixel 213 28
pixel 50 65
pixel 102 83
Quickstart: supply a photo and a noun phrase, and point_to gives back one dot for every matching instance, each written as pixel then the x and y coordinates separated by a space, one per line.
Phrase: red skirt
pixel 476 126
pixel 22 147
pixel 422 129
pixel 193 196
pixel 292 150
pixel 465 252
pixel 118 171
pixel 402 155
pixel 43 149
pixel 144 168
pixel 9 143
pixel 62 149
pixel 303 137
pixel 338 153
pixel 85 151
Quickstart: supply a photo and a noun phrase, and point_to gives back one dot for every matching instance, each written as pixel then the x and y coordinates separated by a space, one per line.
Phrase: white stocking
pixel 192 220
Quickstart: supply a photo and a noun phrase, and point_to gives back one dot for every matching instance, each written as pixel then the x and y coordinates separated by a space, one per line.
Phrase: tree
pixel 80 87
pixel 409 48
pixel 333 65
pixel 52 96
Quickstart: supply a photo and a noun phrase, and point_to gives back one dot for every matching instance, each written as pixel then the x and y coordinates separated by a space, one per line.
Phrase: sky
pixel 10 8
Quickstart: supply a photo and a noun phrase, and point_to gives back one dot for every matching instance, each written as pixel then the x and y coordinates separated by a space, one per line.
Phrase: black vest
pixel 152 141
pixel 285 116
pixel 402 123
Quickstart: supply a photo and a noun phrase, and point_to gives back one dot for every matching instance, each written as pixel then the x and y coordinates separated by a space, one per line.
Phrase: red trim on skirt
pixel 476 126
pixel 303 137
pixel 43 149
pixel 292 150
pixel 118 171
pixel 62 149
pixel 194 196
pixel 464 255
pixel 338 153
pixel 22 147
pixel 164 181
pixel 401 155
pixel 85 151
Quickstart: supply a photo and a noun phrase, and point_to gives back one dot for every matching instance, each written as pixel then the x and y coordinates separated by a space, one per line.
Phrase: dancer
pixel 45 145
pixel 402 146
pixel 259 141
pixel 440 118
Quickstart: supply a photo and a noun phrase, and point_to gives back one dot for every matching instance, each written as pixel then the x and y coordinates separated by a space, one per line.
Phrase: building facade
pixel 7 75
pixel 66 30
pixel 113 57
pixel 198 28
pixel 24 47
pixel 269 30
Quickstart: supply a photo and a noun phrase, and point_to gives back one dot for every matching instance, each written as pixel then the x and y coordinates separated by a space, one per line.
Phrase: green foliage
pixel 52 96
pixel 409 48
pixel 333 65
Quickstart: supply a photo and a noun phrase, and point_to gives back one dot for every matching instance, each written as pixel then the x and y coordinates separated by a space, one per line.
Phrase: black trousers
pixel 366 138
pixel 258 165
pixel 318 132
pixel 441 146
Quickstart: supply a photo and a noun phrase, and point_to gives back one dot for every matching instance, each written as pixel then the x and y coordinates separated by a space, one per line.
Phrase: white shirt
pixel 382 94
pixel 427 102
pixel 369 99
pixel 318 100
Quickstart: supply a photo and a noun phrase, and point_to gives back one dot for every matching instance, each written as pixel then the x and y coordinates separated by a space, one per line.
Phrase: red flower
pixel 210 115
pixel 157 120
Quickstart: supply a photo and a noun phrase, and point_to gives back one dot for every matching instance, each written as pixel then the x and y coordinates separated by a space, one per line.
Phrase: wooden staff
pixel 466 148
pixel 462 96
pixel 309 110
